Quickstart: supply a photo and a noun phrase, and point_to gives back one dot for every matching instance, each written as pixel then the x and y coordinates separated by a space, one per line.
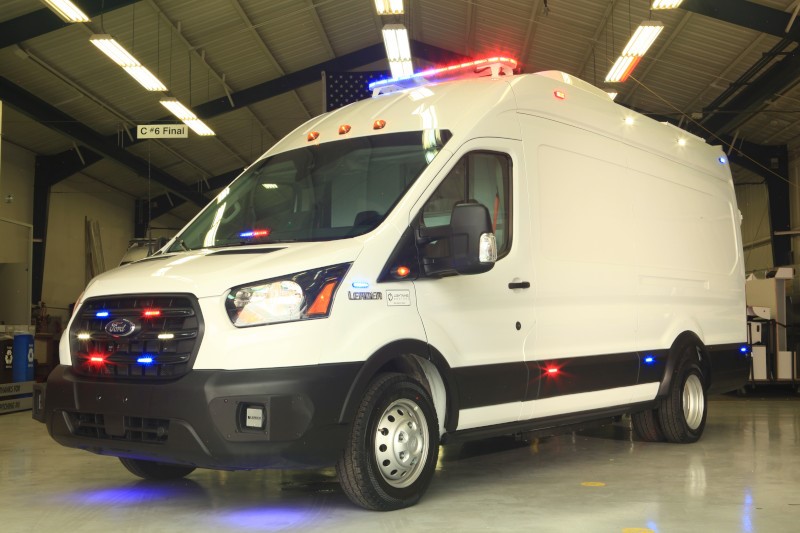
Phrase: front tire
pixel 155 471
pixel 391 454
pixel 683 412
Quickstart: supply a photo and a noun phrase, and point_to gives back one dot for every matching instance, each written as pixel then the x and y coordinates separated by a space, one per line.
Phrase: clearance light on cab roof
pixel 344 128
pixel 378 124
pixel 312 136
pixel 561 95
pixel 494 66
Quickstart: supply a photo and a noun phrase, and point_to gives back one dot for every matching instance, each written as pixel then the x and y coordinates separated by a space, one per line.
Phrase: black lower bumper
pixel 201 419
pixel 730 368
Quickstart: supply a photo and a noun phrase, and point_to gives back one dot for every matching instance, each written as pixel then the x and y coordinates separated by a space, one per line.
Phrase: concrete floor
pixel 743 475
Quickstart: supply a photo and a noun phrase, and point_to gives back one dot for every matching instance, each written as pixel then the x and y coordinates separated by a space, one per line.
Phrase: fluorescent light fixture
pixel 665 4
pixel 395 37
pixel 145 78
pixel 187 117
pixel 66 10
pixel 622 68
pixel 642 38
pixel 389 7
pixel 401 69
pixel 178 109
pixel 110 47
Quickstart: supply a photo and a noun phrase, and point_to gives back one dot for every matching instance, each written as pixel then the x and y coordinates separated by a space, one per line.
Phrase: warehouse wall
pixel 72 201
pixel 753 201
pixel 16 214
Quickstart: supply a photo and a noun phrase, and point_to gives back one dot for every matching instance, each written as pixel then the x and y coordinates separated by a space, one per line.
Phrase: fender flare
pixel 673 358
pixel 398 356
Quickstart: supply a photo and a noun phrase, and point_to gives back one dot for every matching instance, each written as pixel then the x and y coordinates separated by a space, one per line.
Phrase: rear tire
pixel 155 471
pixel 646 426
pixel 393 447
pixel 683 412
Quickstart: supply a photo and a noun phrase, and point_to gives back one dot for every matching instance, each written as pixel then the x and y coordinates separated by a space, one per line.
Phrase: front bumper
pixel 200 419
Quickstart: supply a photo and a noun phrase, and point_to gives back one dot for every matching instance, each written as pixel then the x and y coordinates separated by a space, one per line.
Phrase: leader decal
pixel 364 295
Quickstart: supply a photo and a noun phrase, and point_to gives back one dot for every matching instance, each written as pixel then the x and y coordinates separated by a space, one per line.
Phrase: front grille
pixel 130 428
pixel 151 337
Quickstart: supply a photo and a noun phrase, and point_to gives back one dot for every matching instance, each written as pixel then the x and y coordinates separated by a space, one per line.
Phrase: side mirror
pixel 472 243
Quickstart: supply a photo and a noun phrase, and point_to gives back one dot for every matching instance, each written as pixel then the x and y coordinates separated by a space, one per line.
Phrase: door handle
pixel 519 285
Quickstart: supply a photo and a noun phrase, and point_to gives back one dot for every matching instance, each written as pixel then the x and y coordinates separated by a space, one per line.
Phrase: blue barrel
pixel 22 366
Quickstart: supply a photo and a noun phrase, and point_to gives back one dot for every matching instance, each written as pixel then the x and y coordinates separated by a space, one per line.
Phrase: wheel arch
pixel 673 359
pixel 417 359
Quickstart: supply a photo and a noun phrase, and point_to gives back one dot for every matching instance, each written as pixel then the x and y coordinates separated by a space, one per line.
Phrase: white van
pixel 499 255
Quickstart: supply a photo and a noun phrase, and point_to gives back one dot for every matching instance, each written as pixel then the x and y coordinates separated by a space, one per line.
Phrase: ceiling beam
pixel 739 109
pixel 747 15
pixel 43 21
pixel 57 120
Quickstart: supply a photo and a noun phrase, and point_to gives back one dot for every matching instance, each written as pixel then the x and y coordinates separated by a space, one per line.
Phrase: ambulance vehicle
pixel 450 259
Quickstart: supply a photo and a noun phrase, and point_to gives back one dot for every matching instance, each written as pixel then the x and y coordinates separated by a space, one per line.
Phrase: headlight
pixel 301 296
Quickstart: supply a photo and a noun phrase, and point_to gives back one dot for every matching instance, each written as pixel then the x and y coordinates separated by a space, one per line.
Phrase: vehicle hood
pixel 211 272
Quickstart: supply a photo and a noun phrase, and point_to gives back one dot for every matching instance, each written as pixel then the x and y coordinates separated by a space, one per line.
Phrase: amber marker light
pixel 312 136
pixel 322 302
pixel 344 128
pixel 402 271
pixel 378 124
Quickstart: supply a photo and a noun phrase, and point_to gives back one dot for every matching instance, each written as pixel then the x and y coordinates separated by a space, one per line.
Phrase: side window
pixel 483 177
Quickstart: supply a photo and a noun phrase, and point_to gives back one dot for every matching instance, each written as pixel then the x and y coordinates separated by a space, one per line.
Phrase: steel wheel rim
pixel 693 401
pixel 401 443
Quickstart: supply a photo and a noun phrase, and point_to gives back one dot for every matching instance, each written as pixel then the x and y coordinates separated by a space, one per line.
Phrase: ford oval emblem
pixel 120 327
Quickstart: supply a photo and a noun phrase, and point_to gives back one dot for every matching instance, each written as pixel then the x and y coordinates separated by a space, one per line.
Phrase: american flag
pixel 343 88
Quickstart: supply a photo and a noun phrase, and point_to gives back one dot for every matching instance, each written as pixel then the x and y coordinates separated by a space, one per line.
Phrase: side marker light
pixel 402 271
pixel 322 302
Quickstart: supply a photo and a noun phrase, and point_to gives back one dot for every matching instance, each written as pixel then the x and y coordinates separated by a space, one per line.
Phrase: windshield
pixel 321 192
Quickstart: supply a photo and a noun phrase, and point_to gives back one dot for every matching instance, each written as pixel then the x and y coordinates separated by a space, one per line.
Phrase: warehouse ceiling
pixel 725 69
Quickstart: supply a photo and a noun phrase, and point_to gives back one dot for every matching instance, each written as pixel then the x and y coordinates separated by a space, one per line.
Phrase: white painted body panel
pixel 613 266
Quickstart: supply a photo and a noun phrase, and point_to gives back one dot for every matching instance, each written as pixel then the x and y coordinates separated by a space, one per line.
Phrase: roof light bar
pixel 389 7
pixel 491 66
pixel 66 10
pixel 666 4
pixel 186 116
